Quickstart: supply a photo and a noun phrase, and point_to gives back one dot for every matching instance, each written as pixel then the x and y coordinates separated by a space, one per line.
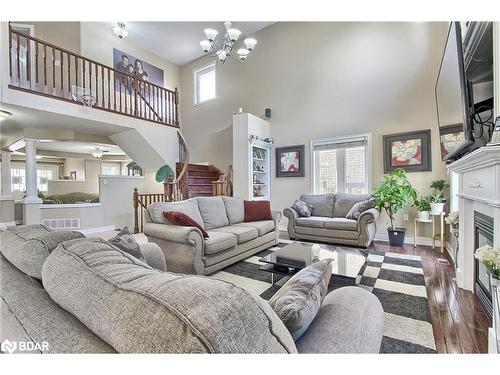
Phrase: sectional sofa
pixel 230 238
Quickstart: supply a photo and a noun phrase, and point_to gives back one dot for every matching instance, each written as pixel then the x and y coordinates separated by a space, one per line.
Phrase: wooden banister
pixel 57 70
pixel 224 186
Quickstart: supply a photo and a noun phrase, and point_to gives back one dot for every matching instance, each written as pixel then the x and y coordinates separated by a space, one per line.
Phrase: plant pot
pixel 437 208
pixel 424 215
pixel 396 236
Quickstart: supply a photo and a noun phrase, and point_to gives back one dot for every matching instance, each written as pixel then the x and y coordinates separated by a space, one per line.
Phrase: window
pixel 204 84
pixel 44 173
pixel 340 165
pixel 110 169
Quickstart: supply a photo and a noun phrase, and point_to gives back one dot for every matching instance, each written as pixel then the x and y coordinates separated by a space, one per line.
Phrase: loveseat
pixel 95 298
pixel 230 238
pixel 328 222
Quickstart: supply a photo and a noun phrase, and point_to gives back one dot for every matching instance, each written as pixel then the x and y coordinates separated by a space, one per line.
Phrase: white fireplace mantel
pixel 478 190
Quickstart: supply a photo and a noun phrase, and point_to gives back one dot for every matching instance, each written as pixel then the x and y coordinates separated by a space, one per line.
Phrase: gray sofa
pixel 230 239
pixel 328 221
pixel 94 298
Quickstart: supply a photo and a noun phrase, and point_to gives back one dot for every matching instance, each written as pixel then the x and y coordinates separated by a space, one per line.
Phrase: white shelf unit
pixel 260 170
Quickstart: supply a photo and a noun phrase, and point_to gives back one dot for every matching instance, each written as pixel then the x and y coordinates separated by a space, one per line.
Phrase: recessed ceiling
pixel 179 42
pixel 78 147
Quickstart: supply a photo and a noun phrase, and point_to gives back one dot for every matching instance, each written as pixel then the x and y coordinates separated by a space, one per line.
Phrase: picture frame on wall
pixel 410 151
pixel 290 161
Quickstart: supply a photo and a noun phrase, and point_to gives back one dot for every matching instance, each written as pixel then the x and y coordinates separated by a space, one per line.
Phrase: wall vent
pixel 62 224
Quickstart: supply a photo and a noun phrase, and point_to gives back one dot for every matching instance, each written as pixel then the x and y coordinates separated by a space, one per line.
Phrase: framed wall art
pixel 410 151
pixel 290 161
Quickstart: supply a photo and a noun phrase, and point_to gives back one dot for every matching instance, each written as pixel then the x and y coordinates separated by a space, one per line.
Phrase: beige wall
pixel 90 183
pixel 323 80
pixel 74 165
pixel 62 34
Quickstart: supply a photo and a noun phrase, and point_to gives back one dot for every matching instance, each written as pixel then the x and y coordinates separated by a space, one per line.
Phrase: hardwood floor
pixel 458 319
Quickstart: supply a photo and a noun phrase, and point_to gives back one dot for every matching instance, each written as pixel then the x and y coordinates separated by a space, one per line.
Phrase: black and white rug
pixel 396 279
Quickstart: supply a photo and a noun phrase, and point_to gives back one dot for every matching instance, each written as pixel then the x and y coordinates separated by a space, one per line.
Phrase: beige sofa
pixel 230 239
pixel 328 221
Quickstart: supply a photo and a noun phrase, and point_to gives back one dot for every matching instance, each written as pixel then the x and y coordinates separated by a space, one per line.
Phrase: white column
pixel 31 191
pixel 6 179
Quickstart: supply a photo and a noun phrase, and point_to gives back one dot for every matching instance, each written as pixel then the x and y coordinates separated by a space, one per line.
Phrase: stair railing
pixel 176 188
pixel 224 186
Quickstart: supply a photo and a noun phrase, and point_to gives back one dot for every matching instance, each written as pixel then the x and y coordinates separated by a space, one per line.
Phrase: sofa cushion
pixel 263 226
pixel 137 309
pixel 257 211
pixel 312 221
pixel 27 246
pixel 322 203
pixel 328 233
pixel 302 208
pixel 299 300
pixel 179 218
pixel 213 212
pixel 125 241
pixel 341 223
pixel 243 234
pixel 188 207
pixel 358 208
pixel 344 202
pixel 235 209
pixel 219 241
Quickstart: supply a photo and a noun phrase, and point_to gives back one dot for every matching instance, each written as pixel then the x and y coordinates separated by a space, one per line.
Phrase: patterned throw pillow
pixel 358 208
pixel 125 241
pixel 302 208
pixel 299 300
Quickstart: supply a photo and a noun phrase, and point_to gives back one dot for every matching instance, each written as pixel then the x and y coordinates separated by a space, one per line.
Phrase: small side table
pixel 440 236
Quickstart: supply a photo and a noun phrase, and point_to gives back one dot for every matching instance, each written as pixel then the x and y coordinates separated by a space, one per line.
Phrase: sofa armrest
pixel 291 214
pixel 368 216
pixel 276 217
pixel 175 233
pixel 153 255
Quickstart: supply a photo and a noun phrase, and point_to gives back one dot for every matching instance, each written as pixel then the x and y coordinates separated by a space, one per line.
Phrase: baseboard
pixel 7 224
pixel 95 230
pixel 423 241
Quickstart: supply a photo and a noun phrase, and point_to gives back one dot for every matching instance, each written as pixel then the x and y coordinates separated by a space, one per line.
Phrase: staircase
pixel 198 180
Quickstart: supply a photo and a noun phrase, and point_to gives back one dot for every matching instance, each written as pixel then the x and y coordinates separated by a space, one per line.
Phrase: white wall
pixel 323 80
pixel 90 183
pixel 74 165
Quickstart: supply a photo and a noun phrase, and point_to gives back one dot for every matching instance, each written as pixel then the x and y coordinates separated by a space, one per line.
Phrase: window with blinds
pixel 340 165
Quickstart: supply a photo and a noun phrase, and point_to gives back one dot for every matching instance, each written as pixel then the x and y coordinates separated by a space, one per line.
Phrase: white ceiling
pixel 179 42
pixel 78 147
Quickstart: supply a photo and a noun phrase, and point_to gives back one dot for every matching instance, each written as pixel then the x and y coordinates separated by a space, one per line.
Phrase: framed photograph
pixel 290 161
pixel 410 151
pixel 126 63
pixel 72 175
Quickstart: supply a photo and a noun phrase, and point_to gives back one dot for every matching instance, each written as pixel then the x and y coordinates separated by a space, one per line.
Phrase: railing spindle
pixel 44 67
pixel 28 60
pixel 10 51
pixel 109 88
pixel 53 70
pixel 69 74
pixel 18 61
pixel 83 74
pixel 61 56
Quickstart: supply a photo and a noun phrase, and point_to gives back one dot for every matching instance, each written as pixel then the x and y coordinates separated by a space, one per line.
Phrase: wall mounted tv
pixel 464 89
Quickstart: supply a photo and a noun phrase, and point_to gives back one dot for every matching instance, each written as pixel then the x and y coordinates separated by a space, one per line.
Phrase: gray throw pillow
pixel 302 208
pixel 358 208
pixel 299 300
pixel 125 241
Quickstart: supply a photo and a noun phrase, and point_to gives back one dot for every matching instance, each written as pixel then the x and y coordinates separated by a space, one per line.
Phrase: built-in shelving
pixel 260 171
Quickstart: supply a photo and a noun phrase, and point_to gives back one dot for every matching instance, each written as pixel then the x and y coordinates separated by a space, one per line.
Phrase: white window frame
pixel 197 71
pixel 22 165
pixel 113 164
pixel 340 176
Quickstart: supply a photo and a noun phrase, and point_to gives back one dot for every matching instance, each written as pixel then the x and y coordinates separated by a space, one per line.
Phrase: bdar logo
pixel 9 347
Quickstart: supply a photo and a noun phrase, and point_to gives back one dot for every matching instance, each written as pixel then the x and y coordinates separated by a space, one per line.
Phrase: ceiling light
pixel 120 30
pixel 97 153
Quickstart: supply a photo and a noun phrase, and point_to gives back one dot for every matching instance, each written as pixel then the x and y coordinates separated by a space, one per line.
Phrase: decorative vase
pixel 437 208
pixel 424 215
pixel 495 290
pixel 396 236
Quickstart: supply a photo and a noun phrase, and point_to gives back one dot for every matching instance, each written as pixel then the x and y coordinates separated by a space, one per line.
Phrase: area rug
pixel 396 279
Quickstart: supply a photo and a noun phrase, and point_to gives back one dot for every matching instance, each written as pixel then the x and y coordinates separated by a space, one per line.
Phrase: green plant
pixel 423 204
pixel 394 193
pixel 164 174
pixel 440 185
pixel 436 197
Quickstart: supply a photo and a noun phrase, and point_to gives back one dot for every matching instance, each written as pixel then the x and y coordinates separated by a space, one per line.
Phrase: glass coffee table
pixel 298 255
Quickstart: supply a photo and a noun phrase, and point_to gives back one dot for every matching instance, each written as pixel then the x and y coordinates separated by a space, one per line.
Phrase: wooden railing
pixel 141 203
pixel 224 186
pixel 44 69
pixel 176 189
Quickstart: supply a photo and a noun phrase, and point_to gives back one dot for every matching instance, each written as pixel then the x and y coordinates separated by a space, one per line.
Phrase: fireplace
pixel 483 234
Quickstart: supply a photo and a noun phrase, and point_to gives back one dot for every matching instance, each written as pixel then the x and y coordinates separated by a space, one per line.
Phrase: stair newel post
pixel 176 113
pixel 136 210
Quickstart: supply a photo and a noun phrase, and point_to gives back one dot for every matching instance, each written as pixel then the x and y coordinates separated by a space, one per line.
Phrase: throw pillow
pixel 126 242
pixel 299 300
pixel 257 211
pixel 302 208
pixel 358 208
pixel 180 218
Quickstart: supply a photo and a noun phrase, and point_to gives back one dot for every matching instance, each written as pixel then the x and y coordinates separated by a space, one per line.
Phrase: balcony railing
pixel 44 69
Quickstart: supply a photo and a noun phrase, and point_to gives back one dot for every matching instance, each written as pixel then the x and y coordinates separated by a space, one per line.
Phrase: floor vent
pixel 443 261
pixel 62 224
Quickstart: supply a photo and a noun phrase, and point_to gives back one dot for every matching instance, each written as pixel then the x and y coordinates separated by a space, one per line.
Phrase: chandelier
pixel 224 48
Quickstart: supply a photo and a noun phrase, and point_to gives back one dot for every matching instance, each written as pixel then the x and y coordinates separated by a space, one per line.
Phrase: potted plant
pixel 423 206
pixel 437 197
pixel 392 196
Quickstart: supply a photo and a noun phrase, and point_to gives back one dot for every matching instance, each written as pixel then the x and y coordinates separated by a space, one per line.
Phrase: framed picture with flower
pixel 290 161
pixel 410 151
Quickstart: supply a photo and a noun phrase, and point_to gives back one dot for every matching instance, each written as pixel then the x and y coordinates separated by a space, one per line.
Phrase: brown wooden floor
pixel 458 319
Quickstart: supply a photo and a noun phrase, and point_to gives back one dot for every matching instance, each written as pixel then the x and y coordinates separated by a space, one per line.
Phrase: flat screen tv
pixel 453 100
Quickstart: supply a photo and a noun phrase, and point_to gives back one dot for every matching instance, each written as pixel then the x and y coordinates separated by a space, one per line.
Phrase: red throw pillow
pixel 179 218
pixel 257 210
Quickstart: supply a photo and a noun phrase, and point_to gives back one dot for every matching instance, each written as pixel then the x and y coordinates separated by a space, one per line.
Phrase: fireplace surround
pixel 483 234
